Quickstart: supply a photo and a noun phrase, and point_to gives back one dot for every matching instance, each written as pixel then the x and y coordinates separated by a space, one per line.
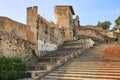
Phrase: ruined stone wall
pixel 63 18
pixel 48 32
pixel 10 26
pixel 93 27
pixel 49 35
pixel 17 39
pixel 12 45
pixel 76 21
pixel 19 29
pixel 42 33
pixel 114 35
pixel 31 21
pixel 89 32
pixel 38 30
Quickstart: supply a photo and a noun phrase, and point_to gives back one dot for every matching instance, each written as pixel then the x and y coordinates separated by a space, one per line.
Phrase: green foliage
pixel 11 68
pixel 117 24
pixel 105 25
pixel 116 27
pixel 117 21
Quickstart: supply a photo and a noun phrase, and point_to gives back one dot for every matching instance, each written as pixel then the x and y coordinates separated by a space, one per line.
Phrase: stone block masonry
pixel 63 18
pixel 21 30
pixel 15 36
pixel 32 15
pixel 40 33
pixel 12 45
pixel 16 39
pixel 49 32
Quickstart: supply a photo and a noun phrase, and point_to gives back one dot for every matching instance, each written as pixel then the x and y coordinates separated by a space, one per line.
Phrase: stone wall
pixel 49 34
pixel 93 27
pixel 37 31
pixel 63 18
pixel 17 39
pixel 76 21
pixel 89 32
pixel 45 33
pixel 12 45
pixel 31 21
pixel 21 30
pixel 113 34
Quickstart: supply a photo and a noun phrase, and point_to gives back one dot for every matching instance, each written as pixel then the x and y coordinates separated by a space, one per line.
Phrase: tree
pixel 117 24
pixel 117 21
pixel 105 25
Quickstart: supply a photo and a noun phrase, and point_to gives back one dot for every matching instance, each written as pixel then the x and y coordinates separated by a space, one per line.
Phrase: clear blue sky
pixel 89 11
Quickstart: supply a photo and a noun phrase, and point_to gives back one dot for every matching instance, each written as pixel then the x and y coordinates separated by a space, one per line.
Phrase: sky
pixel 89 11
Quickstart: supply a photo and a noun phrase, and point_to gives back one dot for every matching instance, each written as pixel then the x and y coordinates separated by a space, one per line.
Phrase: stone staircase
pixel 92 65
pixel 53 59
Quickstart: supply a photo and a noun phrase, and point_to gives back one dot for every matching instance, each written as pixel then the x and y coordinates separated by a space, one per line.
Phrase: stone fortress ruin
pixel 39 35
pixel 37 31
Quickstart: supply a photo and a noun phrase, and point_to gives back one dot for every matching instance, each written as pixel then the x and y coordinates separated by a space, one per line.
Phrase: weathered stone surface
pixel 12 45
pixel 65 52
pixel 95 64
pixel 63 17
pixel 49 32
pixel 89 32
pixel 32 15
pixel 17 39
pixel 19 29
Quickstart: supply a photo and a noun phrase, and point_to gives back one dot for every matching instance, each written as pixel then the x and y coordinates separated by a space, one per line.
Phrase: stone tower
pixel 32 15
pixel 76 21
pixel 63 18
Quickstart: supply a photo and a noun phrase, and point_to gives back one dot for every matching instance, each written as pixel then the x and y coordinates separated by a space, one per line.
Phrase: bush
pixel 11 68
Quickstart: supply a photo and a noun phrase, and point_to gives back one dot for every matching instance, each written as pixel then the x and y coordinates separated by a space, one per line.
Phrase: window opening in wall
pixel 0 39
pixel 46 29
pixel 116 40
pixel 33 52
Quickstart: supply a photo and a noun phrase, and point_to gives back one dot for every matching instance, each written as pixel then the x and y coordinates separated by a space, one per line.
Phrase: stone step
pixel 83 72
pixel 60 53
pixel 64 49
pixel 79 63
pixel 89 62
pixel 93 70
pixel 72 45
pixel 88 66
pixel 91 74
pixel 73 42
pixel 86 75
pixel 117 65
pixel 72 78
pixel 67 51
